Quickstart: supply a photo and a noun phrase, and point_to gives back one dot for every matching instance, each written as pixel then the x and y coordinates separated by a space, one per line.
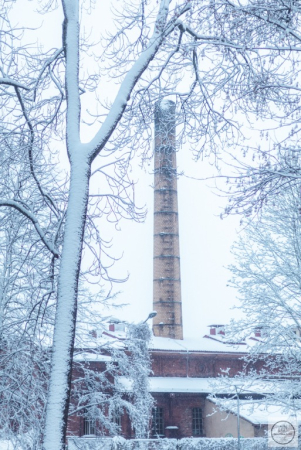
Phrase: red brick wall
pixel 75 426
pixel 168 364
pixel 177 411
pixel 177 406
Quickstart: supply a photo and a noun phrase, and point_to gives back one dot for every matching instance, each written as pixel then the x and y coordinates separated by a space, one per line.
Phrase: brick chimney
pixel 167 277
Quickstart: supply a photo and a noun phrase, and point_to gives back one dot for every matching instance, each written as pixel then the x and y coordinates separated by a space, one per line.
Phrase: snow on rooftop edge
pixel 91 356
pixel 258 412
pixel 196 344
pixel 192 385
pixel 201 344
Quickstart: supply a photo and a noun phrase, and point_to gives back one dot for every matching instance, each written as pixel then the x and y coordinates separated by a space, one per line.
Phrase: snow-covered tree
pixel 27 290
pixel 235 56
pixel 213 58
pixel 98 390
pixel 96 393
pixel 268 279
pixel 24 374
pixel 139 370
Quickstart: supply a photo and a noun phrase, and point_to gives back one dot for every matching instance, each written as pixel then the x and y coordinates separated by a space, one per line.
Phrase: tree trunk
pixel 65 322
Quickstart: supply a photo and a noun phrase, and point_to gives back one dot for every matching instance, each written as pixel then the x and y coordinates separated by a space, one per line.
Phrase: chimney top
pixel 165 116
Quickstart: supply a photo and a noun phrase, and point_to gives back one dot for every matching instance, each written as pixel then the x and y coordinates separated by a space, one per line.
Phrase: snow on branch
pixel 33 219
pixel 129 82
pixel 16 84
pixel 71 47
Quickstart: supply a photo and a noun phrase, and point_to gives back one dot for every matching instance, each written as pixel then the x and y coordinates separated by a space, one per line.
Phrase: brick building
pixel 183 369
pixel 184 372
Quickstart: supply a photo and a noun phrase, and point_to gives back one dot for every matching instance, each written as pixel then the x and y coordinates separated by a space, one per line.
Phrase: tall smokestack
pixel 167 277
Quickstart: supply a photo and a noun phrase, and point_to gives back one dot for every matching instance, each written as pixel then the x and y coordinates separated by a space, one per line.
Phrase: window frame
pixel 197 421
pixel 158 421
pixel 89 425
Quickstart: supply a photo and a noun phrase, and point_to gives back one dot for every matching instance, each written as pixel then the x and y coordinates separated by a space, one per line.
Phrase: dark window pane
pixel 116 418
pixel 157 422
pixel 89 424
pixel 197 422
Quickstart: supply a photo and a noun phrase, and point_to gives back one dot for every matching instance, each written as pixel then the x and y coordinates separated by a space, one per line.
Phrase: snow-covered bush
pixel 168 444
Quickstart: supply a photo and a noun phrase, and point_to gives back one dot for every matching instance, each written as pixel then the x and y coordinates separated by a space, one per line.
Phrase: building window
pixel 116 418
pixel 89 424
pixel 197 422
pixel 157 422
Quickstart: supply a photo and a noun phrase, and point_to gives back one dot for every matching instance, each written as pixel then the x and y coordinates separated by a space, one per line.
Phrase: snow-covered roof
pixel 91 356
pixel 172 384
pixel 206 343
pixel 260 412
pixel 201 344
pixel 195 385
pixel 209 343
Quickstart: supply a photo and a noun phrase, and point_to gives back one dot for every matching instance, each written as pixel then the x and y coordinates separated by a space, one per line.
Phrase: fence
pixel 118 443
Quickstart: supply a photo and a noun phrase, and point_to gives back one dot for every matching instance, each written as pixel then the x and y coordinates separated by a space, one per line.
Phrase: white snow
pixel 260 413
pixel 201 344
pixel 165 104
pixel 6 445
pixel 195 385
pixel 90 356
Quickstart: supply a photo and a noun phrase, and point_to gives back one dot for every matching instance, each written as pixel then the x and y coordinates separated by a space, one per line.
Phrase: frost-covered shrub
pixel 119 443
pixel 222 444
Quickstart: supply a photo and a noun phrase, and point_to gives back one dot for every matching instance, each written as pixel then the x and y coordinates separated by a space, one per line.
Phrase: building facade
pixel 183 371
pixel 184 374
